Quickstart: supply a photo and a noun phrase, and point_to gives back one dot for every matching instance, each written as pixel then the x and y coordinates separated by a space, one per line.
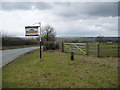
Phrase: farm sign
pixel 31 30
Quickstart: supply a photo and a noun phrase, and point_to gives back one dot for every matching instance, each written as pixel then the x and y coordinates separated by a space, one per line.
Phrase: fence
pixel 94 49
pixel 119 50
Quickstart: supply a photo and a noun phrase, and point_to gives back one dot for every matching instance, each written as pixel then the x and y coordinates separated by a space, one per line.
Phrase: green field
pixel 56 70
pixel 105 50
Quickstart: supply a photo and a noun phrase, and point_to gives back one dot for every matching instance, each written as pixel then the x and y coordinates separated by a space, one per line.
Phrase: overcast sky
pixel 83 19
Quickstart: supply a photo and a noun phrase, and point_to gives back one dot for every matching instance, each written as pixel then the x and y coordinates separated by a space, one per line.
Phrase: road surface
pixel 11 54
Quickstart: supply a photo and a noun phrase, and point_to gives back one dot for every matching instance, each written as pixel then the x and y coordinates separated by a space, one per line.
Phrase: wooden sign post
pixel 40 41
pixel 33 31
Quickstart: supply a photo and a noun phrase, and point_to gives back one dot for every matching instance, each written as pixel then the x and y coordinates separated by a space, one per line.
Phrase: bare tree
pixel 49 33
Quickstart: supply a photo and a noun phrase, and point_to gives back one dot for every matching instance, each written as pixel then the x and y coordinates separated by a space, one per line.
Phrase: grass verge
pixel 56 70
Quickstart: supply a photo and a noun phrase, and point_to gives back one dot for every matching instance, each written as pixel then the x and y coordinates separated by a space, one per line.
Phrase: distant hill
pixel 83 39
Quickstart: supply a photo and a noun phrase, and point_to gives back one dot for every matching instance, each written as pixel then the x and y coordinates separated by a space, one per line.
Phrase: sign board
pixel 31 30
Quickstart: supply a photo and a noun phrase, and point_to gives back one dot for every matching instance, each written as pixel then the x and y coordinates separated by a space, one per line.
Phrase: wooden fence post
pixel 98 50
pixel 118 49
pixel 62 47
pixel 43 46
pixel 87 49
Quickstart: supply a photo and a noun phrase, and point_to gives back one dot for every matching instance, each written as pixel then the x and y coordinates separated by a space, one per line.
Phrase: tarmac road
pixel 11 54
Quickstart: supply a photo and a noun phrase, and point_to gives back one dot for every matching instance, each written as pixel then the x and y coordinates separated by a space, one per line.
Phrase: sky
pixel 81 19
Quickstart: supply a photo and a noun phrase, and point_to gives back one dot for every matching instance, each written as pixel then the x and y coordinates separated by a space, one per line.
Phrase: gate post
pixel 118 48
pixel 62 47
pixel 87 49
pixel 72 56
pixel 98 50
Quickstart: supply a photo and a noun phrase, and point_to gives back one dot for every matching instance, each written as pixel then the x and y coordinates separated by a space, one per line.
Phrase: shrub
pixel 51 46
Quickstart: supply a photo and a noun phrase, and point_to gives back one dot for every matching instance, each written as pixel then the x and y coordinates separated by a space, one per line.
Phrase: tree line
pixel 16 41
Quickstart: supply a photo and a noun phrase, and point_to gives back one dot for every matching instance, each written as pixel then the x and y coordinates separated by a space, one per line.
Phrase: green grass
pixel 56 70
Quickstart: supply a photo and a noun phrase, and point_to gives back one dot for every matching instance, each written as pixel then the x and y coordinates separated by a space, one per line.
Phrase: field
pixel 105 50
pixel 56 70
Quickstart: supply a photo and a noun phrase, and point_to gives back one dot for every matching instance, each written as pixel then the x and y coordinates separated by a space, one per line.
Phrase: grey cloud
pixel 88 9
pixel 105 26
pixel 85 32
pixel 73 10
pixel 79 32
pixel 42 5
pixel 25 5
pixel 14 6
pixel 62 3
pixel 104 9
pixel 67 16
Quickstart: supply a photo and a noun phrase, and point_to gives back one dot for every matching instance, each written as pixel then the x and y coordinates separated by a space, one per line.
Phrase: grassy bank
pixel 56 70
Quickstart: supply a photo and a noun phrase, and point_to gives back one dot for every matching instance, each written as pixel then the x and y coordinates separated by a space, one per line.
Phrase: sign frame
pixel 33 32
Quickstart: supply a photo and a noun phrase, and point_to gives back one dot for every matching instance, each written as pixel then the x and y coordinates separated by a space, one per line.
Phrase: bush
pixel 51 46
